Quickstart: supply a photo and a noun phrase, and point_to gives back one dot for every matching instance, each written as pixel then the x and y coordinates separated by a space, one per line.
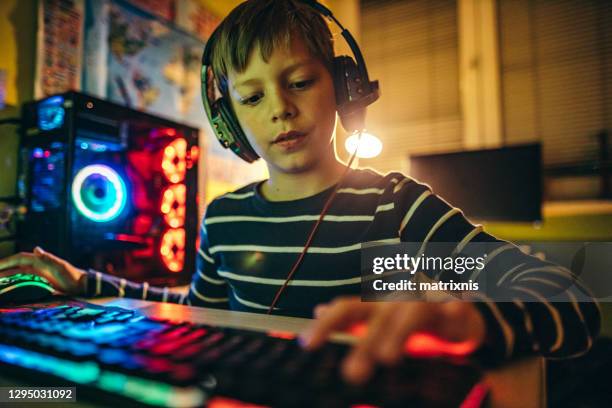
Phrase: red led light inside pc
pixel 173 205
pixel 172 249
pixel 174 163
pixel 162 132
pixel 193 155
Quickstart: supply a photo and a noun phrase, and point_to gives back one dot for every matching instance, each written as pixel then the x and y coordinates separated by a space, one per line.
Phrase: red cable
pixel 312 232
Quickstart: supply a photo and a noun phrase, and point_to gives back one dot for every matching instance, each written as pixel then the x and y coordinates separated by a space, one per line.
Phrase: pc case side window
pixel 47 177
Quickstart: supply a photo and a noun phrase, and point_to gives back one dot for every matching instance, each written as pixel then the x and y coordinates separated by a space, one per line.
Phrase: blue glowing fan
pixel 99 193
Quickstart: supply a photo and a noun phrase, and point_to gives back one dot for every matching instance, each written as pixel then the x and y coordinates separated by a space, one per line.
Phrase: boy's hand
pixel 61 274
pixel 389 324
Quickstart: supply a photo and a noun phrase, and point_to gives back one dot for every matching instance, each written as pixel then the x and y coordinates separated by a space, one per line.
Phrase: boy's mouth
pixel 288 137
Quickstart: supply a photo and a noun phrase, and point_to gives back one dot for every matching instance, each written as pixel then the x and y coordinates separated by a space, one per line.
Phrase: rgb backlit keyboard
pixel 122 354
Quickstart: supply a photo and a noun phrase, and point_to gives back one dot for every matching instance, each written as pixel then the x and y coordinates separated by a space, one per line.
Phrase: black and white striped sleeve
pixel 101 284
pixel 545 308
pixel 207 288
pixel 526 321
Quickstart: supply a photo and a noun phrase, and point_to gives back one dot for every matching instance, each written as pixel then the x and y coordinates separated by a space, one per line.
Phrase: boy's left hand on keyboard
pixel 62 275
pixel 388 327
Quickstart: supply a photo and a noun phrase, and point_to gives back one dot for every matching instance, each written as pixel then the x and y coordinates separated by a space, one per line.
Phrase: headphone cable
pixel 328 203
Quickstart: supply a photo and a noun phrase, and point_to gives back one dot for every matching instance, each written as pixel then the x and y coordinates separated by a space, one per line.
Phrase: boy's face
pixel 286 107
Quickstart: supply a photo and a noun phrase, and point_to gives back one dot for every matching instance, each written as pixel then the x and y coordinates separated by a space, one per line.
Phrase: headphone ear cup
pixel 349 89
pixel 240 145
pixel 340 74
pixel 221 117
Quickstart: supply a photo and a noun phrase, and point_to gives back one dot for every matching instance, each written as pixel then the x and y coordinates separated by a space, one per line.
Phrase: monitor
pixel 503 184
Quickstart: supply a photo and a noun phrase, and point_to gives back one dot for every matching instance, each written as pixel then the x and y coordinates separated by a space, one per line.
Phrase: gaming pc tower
pixel 109 188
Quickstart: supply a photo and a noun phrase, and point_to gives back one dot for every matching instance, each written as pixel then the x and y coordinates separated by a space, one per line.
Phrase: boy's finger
pixel 14 261
pixel 357 368
pixel 340 314
pixel 461 321
pixel 409 318
pixel 320 310
pixel 360 362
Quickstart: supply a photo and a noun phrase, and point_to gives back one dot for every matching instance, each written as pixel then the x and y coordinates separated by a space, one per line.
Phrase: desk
pixel 518 385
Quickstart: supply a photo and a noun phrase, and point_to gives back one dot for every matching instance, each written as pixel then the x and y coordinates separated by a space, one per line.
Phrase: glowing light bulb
pixel 369 145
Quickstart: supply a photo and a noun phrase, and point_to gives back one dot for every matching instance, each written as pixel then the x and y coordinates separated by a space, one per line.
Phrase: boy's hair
pixel 267 24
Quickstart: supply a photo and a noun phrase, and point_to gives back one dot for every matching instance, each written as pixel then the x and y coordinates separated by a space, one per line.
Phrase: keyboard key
pixel 112 355
pixel 198 348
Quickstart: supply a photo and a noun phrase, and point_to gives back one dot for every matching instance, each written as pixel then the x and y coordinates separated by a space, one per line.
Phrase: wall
pixel 17 31
pixel 220 8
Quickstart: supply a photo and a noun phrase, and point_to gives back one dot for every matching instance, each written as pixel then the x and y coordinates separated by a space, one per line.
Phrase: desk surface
pixel 520 384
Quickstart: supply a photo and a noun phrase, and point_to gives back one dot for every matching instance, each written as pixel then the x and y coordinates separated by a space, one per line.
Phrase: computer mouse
pixel 24 288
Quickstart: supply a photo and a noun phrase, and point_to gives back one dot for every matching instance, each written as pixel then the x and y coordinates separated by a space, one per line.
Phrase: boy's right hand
pixel 64 276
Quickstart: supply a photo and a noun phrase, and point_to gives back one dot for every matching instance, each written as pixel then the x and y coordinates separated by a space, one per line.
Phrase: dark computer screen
pixel 502 184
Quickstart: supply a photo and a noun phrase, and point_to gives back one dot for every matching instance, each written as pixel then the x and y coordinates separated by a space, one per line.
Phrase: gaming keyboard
pixel 122 355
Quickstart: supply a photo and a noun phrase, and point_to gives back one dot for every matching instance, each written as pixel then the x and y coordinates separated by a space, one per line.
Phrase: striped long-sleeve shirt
pixel 248 245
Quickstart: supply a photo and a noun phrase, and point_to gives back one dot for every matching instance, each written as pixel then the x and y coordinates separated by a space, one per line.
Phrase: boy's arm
pixel 101 284
pixel 527 322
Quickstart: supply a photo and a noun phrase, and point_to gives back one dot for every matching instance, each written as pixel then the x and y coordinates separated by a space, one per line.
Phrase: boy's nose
pixel 283 115
pixel 283 109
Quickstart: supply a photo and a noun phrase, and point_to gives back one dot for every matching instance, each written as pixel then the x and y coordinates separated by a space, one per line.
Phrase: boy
pixel 272 61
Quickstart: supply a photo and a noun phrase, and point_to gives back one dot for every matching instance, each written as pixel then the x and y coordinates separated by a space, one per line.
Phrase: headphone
pixel 353 88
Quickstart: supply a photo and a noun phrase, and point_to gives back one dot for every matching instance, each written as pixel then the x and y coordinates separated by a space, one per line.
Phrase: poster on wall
pixel 143 62
pixel 60 47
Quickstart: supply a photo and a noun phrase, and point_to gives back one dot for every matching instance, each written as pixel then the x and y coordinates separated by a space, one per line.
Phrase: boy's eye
pixel 250 100
pixel 301 84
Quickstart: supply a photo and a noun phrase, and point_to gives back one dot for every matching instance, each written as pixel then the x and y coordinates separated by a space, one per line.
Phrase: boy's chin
pixel 298 164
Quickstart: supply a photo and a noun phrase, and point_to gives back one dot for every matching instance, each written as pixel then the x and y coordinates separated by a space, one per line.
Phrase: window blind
pixel 556 65
pixel 411 47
